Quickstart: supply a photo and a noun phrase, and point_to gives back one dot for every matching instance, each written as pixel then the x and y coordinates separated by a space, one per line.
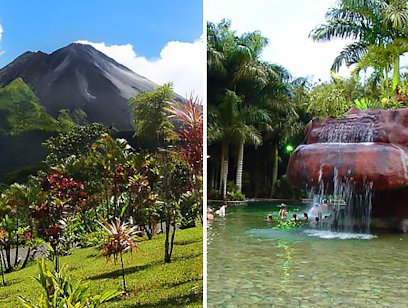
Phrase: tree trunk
pixel 8 259
pixel 172 238
pixel 26 258
pixel 240 164
pixel 123 274
pixel 17 246
pixel 147 231
pixel 274 171
pixel 224 170
pixel 221 169
pixel 212 176
pixel 396 73
pixel 2 269
pixel 166 242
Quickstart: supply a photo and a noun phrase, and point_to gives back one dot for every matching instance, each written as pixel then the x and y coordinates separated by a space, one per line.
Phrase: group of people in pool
pixel 284 213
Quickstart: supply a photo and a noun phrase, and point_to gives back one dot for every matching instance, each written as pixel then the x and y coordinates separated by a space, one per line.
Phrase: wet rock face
pixel 365 147
pixel 383 165
pixel 371 125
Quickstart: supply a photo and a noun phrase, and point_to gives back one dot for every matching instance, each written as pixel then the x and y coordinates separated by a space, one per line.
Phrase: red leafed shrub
pixel 65 197
pixel 190 134
pixel 65 189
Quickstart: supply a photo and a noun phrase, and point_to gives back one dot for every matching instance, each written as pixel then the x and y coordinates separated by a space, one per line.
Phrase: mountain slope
pixel 20 110
pixel 79 78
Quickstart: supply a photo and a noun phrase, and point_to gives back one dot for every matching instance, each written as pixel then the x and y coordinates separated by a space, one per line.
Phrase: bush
pixel 233 194
pixel 214 194
pixel 60 292
pixel 92 239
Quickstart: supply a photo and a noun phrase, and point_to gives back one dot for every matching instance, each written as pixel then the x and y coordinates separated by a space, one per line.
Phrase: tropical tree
pixel 333 98
pixel 150 119
pixel 369 23
pixel 189 146
pixel 249 99
pixel 175 183
pixel 64 197
pixel 17 203
pixel 74 143
pixel 235 71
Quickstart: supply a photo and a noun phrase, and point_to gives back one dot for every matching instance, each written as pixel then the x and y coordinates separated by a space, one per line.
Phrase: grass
pixel 151 282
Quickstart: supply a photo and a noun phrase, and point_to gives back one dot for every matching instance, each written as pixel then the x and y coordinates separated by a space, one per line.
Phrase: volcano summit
pixel 79 78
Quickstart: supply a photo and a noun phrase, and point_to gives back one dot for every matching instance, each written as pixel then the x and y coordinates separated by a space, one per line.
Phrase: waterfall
pixel 350 130
pixel 342 208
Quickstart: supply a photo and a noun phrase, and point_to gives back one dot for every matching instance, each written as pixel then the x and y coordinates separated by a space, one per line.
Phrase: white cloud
pixel 179 62
pixel 287 25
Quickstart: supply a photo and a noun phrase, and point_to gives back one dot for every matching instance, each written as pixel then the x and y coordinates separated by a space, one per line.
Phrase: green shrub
pixel 92 239
pixel 60 292
pixel 233 194
pixel 214 194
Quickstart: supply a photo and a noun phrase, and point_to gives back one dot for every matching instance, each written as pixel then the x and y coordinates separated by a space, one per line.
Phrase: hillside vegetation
pixel 20 110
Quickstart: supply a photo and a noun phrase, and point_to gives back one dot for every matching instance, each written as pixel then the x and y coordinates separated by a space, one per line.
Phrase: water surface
pixel 249 263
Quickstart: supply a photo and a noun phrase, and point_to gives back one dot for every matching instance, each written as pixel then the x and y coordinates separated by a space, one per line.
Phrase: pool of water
pixel 249 263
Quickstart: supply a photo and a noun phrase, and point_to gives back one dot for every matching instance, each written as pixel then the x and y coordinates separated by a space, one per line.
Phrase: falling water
pixel 345 209
pixel 350 130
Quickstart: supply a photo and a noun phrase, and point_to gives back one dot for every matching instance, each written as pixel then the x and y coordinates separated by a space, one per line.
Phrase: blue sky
pixel 49 24
pixel 159 39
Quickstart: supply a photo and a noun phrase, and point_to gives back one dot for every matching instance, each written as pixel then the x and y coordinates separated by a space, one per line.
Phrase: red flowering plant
pixel 190 134
pixel 189 146
pixel 120 237
pixel 64 197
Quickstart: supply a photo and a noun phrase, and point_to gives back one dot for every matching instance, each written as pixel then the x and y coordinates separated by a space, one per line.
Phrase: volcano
pixel 79 78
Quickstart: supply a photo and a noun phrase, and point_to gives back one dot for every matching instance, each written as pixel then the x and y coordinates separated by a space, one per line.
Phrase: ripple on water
pixel 324 234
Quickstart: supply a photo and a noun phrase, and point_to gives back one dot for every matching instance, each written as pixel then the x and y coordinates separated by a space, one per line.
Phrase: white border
pixel 204 156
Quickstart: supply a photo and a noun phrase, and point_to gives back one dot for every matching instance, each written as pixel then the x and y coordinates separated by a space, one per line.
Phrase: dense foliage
pixel 90 177
pixel 259 109
pixel 250 102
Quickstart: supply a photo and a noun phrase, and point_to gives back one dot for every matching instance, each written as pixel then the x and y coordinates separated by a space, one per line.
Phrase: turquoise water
pixel 249 263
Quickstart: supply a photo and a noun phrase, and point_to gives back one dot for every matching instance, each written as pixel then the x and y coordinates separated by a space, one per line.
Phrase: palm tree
pixel 369 23
pixel 234 72
pixel 280 100
pixel 221 119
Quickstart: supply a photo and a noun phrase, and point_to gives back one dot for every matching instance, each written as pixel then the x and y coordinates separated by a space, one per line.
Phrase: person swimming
pixel 269 217
pixel 283 212
pixel 210 214
pixel 294 217
pixel 221 211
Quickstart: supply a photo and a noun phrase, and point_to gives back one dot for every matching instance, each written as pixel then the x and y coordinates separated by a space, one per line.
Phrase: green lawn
pixel 150 281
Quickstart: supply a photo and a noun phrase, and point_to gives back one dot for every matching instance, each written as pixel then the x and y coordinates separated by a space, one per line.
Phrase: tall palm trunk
pixel 224 169
pixel 213 173
pixel 240 164
pixel 396 73
pixel 275 170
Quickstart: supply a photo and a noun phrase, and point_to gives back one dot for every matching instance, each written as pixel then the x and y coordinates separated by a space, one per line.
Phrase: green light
pixel 289 148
